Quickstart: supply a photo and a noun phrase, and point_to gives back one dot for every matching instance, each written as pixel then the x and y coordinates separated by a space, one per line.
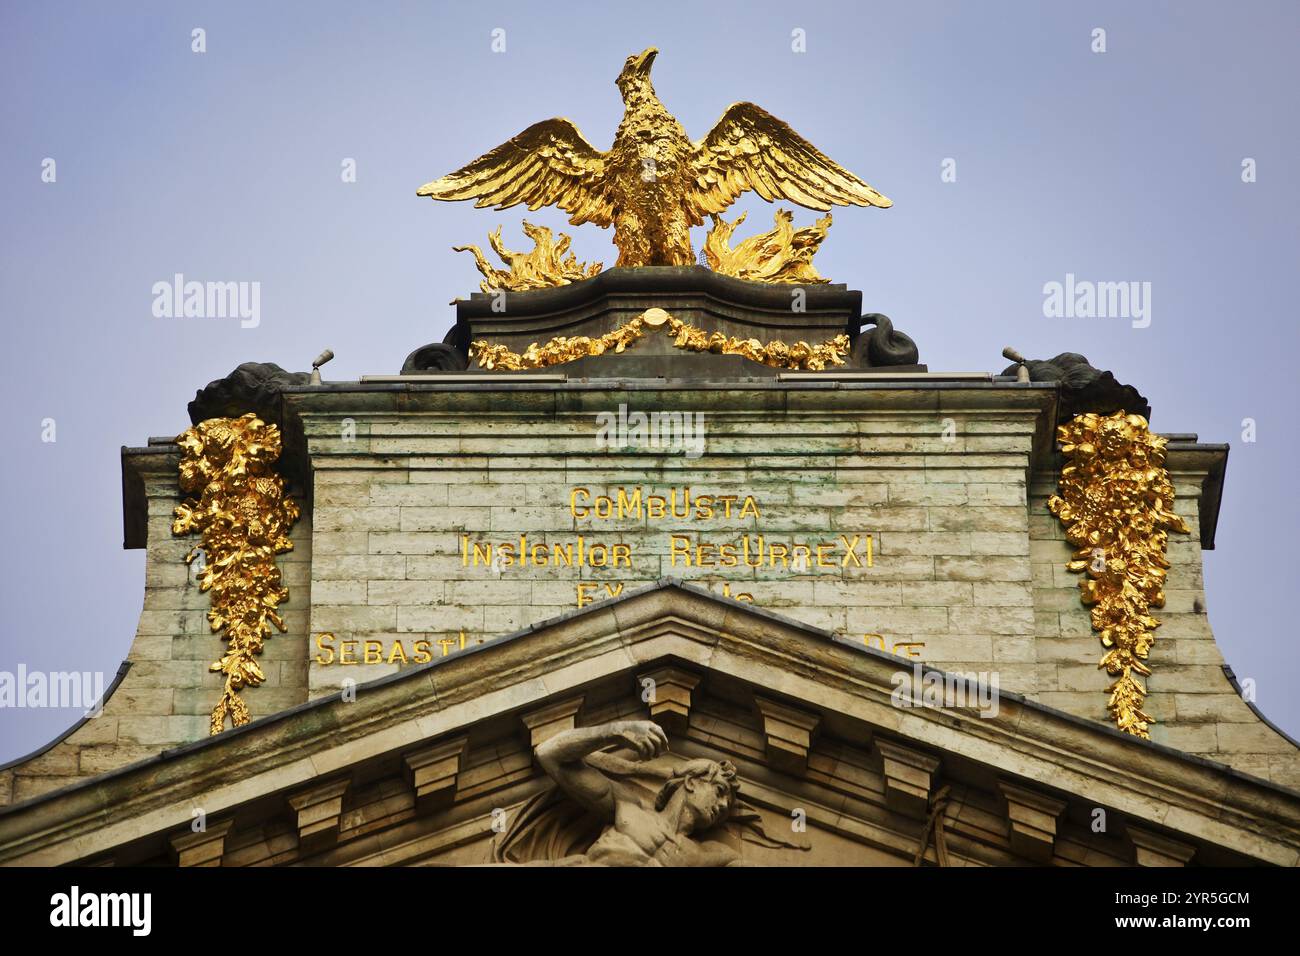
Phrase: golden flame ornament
pixel 783 255
pixel 244 517
pixel 544 267
pixel 1117 504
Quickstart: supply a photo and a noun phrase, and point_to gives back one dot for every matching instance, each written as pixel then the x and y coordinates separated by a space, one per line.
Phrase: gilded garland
pixel 244 518
pixel 1116 501
pixel 557 351
pixel 797 355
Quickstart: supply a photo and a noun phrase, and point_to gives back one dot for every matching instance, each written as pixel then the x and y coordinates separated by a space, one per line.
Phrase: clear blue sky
pixel 226 165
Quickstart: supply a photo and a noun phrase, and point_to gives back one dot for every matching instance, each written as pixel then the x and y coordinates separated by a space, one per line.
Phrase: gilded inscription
pixel 582 552
pixel 633 503
pixel 331 650
pixel 684 549
pixel 760 552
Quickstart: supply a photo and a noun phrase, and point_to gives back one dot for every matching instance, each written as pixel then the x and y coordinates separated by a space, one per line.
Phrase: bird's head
pixel 636 72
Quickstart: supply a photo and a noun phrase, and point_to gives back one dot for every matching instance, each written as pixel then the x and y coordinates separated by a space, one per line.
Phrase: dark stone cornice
pixel 653 282
pixel 813 313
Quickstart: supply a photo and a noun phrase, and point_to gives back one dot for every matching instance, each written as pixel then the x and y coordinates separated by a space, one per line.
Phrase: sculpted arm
pixel 562 756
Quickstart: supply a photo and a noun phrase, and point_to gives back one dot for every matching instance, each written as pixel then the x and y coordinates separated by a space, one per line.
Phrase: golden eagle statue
pixel 654 184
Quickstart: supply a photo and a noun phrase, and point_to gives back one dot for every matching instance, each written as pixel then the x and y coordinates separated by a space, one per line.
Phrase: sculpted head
pixel 636 70
pixel 707 789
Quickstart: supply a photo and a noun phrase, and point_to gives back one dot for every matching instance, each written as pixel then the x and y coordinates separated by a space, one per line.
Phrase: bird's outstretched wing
pixel 548 164
pixel 749 148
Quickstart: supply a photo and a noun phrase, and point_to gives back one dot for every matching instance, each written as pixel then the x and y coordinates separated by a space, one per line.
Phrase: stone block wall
pixel 940 490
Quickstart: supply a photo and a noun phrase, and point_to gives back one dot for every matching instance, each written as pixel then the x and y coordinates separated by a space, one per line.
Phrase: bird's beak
pixel 646 59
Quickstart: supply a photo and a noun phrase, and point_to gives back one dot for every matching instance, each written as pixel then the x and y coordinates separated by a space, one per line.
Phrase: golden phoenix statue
pixel 654 184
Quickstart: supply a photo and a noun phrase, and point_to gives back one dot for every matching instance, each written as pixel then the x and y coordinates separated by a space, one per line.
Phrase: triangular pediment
pixel 814 723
